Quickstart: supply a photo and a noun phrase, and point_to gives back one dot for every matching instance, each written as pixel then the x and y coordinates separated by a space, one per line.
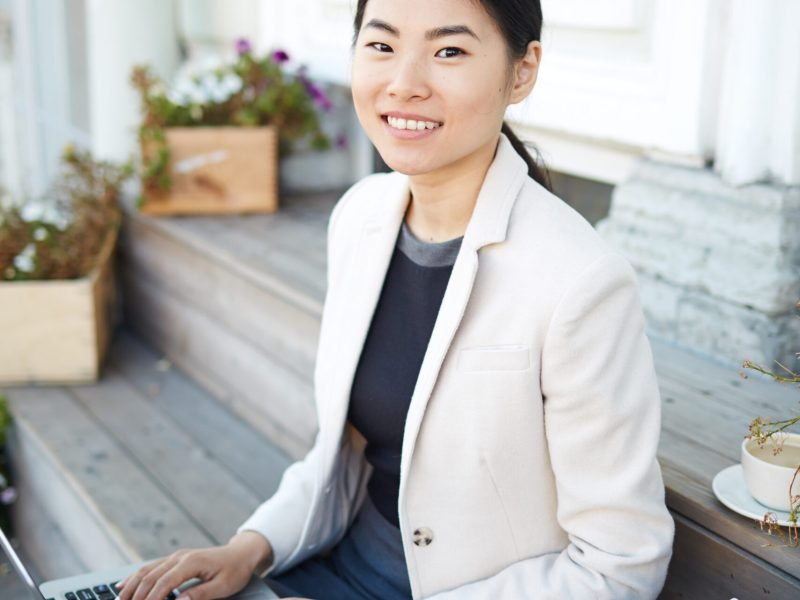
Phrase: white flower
pixel 24 261
pixel 158 89
pixel 220 96
pixel 199 95
pixel 58 217
pixel 210 63
pixel 40 234
pixel 231 83
pixel 178 98
pixel 32 211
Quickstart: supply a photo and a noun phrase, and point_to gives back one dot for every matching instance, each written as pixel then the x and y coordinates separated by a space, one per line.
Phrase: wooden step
pixel 235 301
pixel 133 467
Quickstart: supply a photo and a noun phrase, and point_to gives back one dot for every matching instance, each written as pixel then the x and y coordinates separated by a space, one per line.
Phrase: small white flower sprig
pixel 249 92
pixel 765 430
pixel 59 235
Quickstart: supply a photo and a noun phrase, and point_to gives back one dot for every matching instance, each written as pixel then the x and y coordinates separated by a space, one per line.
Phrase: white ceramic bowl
pixel 768 475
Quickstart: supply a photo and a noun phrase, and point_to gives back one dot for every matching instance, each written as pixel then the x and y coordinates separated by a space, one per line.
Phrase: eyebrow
pixel 433 34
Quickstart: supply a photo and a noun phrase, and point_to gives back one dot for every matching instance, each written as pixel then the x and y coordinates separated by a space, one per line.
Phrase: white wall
pixel 121 34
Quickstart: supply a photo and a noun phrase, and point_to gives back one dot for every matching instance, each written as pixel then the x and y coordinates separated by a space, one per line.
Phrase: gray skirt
pixel 367 564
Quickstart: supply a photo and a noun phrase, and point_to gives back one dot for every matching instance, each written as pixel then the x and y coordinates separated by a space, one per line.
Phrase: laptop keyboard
pixel 98 592
pixel 101 592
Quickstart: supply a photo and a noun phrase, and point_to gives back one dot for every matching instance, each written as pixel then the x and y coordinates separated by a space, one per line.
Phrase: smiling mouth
pixel 410 124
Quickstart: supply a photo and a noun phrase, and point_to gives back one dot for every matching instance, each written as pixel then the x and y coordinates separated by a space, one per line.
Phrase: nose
pixel 408 80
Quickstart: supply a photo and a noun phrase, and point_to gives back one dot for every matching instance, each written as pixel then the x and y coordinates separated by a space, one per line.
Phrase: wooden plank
pixel 233 442
pixel 139 519
pixel 41 474
pixel 272 399
pixel 305 288
pixel 56 331
pixel 705 565
pixel 700 463
pixel 279 328
pixel 707 378
pixel 217 170
pixel 42 539
pixel 696 501
pixel 181 466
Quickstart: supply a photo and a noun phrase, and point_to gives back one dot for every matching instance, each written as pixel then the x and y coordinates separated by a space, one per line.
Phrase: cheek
pixel 365 85
pixel 485 102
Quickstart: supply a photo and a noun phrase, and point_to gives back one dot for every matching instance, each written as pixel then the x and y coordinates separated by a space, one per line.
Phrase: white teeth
pixel 411 124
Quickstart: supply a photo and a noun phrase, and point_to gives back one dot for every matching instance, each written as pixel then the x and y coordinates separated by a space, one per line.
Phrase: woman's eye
pixel 449 52
pixel 380 47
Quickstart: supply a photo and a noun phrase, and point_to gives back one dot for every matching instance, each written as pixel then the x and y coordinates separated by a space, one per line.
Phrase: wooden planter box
pixel 57 331
pixel 218 170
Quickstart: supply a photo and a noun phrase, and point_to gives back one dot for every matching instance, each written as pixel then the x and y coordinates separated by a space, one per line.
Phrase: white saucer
pixel 730 489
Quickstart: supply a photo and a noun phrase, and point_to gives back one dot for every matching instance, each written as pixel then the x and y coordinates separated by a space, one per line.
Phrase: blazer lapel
pixel 376 245
pixel 488 225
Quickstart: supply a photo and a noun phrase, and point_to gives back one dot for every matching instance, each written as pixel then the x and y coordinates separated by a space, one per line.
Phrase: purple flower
pixel 280 57
pixel 8 496
pixel 243 46
pixel 341 142
pixel 319 97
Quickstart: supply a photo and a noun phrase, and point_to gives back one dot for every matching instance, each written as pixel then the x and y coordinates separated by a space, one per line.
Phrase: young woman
pixel 488 409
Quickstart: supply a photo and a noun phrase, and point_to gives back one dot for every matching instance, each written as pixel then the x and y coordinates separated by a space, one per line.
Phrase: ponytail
pixel 536 168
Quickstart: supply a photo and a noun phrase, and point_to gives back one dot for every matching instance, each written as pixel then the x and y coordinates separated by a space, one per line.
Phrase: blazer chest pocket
pixel 495 358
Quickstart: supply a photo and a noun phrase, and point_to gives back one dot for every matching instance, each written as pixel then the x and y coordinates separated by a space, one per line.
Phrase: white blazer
pixel 529 455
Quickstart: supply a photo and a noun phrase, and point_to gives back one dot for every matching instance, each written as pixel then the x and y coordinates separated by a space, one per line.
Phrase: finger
pixel 183 570
pixel 205 591
pixel 152 577
pixel 130 583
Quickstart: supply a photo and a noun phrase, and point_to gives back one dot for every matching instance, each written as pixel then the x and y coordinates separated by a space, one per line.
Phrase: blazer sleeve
pixel 281 518
pixel 602 420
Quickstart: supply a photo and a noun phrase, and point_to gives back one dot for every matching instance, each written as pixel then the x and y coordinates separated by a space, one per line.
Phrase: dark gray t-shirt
pixel 392 355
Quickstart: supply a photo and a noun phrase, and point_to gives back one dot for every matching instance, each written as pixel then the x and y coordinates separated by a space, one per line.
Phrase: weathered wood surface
pixel 105 496
pixel 217 170
pixel 706 410
pixel 246 303
pixel 245 453
pixel 57 331
pixel 708 566
pixel 259 245
pixel 236 303
pixel 133 467
pixel 264 392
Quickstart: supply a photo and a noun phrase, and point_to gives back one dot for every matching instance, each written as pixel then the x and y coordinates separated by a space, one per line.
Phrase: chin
pixel 407 165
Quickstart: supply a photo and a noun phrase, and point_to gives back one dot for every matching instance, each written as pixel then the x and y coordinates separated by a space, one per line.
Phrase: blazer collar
pixel 489 221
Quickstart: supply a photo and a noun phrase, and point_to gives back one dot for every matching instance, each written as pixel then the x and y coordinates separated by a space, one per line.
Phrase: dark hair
pixel 520 22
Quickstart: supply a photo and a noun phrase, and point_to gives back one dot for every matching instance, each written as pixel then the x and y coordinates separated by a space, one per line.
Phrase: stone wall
pixel 719 266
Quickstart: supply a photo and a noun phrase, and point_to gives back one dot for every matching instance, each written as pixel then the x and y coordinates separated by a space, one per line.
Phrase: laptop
pixel 100 585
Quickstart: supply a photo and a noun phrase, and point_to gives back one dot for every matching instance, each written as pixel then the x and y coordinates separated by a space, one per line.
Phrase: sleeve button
pixel 423 537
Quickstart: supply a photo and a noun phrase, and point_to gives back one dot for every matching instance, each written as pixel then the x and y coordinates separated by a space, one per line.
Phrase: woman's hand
pixel 224 570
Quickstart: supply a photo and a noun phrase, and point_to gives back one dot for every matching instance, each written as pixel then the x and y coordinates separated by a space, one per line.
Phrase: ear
pixel 525 72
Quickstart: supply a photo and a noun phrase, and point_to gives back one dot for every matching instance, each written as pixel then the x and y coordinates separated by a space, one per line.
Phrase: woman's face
pixel 431 82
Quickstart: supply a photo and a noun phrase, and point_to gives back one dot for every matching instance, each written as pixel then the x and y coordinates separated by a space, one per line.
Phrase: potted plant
pixel 56 281
pixel 771 460
pixel 211 143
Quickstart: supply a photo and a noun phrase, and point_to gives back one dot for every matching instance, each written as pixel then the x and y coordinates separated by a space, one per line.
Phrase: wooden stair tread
pixel 285 251
pixel 140 463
